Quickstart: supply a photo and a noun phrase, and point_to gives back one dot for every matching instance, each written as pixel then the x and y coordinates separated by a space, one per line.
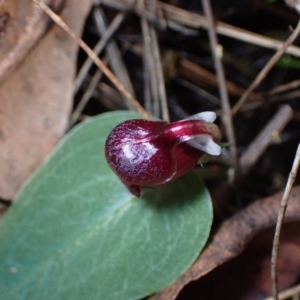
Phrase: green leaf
pixel 75 232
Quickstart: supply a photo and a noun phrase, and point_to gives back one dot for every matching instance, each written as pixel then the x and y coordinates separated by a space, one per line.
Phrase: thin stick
pixel 109 97
pixel 149 64
pixel 117 21
pixel 194 20
pixel 283 87
pixel 159 76
pixel 264 138
pixel 85 97
pixel 281 213
pixel 121 88
pixel 113 54
pixel 146 70
pixel 158 68
pixel 287 96
pixel 152 59
pixel 202 93
pixel 221 80
pixel 198 75
pixel 266 69
pixel 288 293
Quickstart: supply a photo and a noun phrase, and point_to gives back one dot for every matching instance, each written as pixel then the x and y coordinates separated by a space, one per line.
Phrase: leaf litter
pixel 262 213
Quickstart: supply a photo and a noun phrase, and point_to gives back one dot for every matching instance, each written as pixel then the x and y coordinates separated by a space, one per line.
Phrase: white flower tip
pixel 206 144
pixel 213 148
pixel 206 116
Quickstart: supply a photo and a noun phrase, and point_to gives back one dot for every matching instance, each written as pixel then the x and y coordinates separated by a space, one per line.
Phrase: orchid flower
pixel 152 153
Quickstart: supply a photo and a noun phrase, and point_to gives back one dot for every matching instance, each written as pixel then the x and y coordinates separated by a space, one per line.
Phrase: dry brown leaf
pixel 21 25
pixel 36 99
pixel 233 236
pixel 247 276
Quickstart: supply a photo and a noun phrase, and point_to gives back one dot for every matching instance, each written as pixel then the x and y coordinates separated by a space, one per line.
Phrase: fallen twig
pixel 114 56
pixel 281 214
pixel 117 21
pixel 226 114
pixel 94 57
pixel 186 18
pixel 152 60
pixel 288 293
pixel 264 138
pixel 267 68
pixel 284 87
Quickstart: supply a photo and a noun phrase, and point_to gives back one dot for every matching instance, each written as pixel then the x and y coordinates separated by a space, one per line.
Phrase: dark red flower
pixel 151 153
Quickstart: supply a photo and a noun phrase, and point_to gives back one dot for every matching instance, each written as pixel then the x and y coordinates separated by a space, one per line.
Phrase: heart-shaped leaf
pixel 75 232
